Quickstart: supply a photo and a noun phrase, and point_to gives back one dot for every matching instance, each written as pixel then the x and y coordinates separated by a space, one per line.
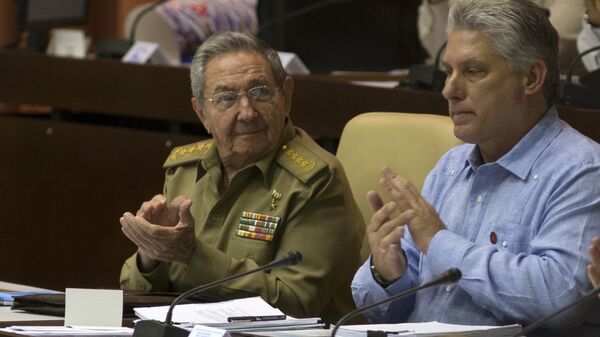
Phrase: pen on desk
pixel 255 318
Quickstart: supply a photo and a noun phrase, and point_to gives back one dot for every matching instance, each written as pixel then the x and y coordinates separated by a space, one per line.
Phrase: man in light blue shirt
pixel 514 209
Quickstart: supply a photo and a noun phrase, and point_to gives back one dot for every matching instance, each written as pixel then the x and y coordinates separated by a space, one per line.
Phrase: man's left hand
pixel 425 223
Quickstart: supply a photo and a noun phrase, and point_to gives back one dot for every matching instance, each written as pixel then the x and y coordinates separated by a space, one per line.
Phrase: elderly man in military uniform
pixel 258 189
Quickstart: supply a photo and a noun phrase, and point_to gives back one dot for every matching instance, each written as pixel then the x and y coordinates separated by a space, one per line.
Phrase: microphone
pixel 139 17
pixel 153 328
pixel 585 94
pixel 300 12
pixel 450 276
pixel 588 296
pixel 428 76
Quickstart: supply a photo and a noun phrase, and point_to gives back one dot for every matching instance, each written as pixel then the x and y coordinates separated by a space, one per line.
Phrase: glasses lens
pixel 224 100
pixel 260 94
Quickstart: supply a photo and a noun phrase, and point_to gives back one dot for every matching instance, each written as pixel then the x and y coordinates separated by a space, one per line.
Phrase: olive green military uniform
pixel 296 198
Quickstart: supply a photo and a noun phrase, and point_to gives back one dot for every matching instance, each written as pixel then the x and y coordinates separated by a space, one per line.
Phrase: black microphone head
pixel 454 274
pixel 294 257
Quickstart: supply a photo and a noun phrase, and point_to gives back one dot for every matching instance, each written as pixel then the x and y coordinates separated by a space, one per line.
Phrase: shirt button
pixel 448 288
pixel 504 244
pixel 535 177
pixel 479 199
pixel 452 172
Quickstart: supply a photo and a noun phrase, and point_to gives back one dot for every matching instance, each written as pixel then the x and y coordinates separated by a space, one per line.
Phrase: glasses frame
pixel 241 93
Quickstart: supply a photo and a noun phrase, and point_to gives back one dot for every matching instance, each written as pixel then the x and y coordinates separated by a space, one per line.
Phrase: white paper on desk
pixel 211 312
pixel 436 329
pixel 206 331
pixel 68 331
pixel 93 307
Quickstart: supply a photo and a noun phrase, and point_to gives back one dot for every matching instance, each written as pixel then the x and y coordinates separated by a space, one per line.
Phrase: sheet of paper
pixel 68 331
pixel 93 307
pixel 211 312
pixel 436 329
pixel 206 331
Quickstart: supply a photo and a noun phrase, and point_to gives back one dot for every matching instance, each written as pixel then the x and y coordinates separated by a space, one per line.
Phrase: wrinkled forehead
pixel 237 66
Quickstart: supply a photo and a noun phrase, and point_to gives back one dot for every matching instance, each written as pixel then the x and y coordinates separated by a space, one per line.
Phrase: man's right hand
pixel 162 232
pixel 384 236
pixel 593 12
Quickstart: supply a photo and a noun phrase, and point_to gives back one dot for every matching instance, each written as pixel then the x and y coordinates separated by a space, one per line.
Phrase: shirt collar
pixel 520 159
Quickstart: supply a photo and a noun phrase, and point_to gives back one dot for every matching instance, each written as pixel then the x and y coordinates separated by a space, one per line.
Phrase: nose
pixel 246 110
pixel 454 87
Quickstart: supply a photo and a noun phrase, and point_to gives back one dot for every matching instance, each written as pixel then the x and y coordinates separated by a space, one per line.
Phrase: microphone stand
pixel 450 276
pixel 588 296
pixel 153 328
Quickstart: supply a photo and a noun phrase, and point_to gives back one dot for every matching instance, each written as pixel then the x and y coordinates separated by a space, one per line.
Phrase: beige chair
pixel 409 143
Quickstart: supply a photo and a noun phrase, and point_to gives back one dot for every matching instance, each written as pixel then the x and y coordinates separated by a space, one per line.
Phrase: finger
pixel 594 275
pixel 381 216
pixel 145 243
pixel 173 210
pixel 392 239
pixel 399 182
pixel 153 206
pixel 389 227
pixel 594 251
pixel 374 200
pixel 133 237
pixel 185 215
pixel 384 230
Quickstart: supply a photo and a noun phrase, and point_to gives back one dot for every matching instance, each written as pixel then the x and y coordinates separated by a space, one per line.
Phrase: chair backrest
pixel 410 143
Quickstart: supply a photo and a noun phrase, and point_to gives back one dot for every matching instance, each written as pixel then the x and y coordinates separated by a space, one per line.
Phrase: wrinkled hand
pixel 161 232
pixel 593 268
pixel 593 12
pixel 383 235
pixel 425 222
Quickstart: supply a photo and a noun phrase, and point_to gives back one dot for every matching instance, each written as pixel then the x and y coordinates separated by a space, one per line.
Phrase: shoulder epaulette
pixel 187 153
pixel 300 160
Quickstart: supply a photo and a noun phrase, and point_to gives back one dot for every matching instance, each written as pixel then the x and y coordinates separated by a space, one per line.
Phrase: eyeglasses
pixel 225 100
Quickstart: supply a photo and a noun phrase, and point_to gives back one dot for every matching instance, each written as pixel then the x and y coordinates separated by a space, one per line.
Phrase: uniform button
pixel 479 199
pixel 448 288
pixel 504 244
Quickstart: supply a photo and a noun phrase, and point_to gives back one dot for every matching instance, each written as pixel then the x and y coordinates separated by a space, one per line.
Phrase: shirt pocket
pixel 260 251
pixel 510 236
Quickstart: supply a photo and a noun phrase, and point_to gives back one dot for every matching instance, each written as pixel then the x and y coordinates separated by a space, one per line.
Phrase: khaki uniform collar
pixel 212 161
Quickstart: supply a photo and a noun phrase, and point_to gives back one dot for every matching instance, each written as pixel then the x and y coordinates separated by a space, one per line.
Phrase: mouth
pixel 461 116
pixel 248 131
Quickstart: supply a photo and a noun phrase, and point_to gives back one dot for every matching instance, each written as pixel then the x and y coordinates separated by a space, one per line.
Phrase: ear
pixel 199 110
pixel 536 75
pixel 288 90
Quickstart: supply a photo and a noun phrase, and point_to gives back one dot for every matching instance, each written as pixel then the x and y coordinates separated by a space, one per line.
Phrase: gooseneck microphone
pixel 587 297
pixel 300 12
pixel 153 328
pixel 450 276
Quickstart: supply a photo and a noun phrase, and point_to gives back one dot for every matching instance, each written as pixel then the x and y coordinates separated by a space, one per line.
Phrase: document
pixel 68 331
pixel 431 329
pixel 218 312
pixel 228 316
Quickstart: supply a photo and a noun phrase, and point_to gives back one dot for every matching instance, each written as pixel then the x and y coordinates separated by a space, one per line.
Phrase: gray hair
pixel 228 42
pixel 517 30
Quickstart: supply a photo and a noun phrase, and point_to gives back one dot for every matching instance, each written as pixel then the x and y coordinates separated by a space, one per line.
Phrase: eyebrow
pixel 251 84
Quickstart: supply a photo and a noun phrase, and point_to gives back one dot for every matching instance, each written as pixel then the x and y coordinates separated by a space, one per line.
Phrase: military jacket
pixel 296 198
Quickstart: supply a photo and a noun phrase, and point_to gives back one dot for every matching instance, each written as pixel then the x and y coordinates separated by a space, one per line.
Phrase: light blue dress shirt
pixel 518 229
